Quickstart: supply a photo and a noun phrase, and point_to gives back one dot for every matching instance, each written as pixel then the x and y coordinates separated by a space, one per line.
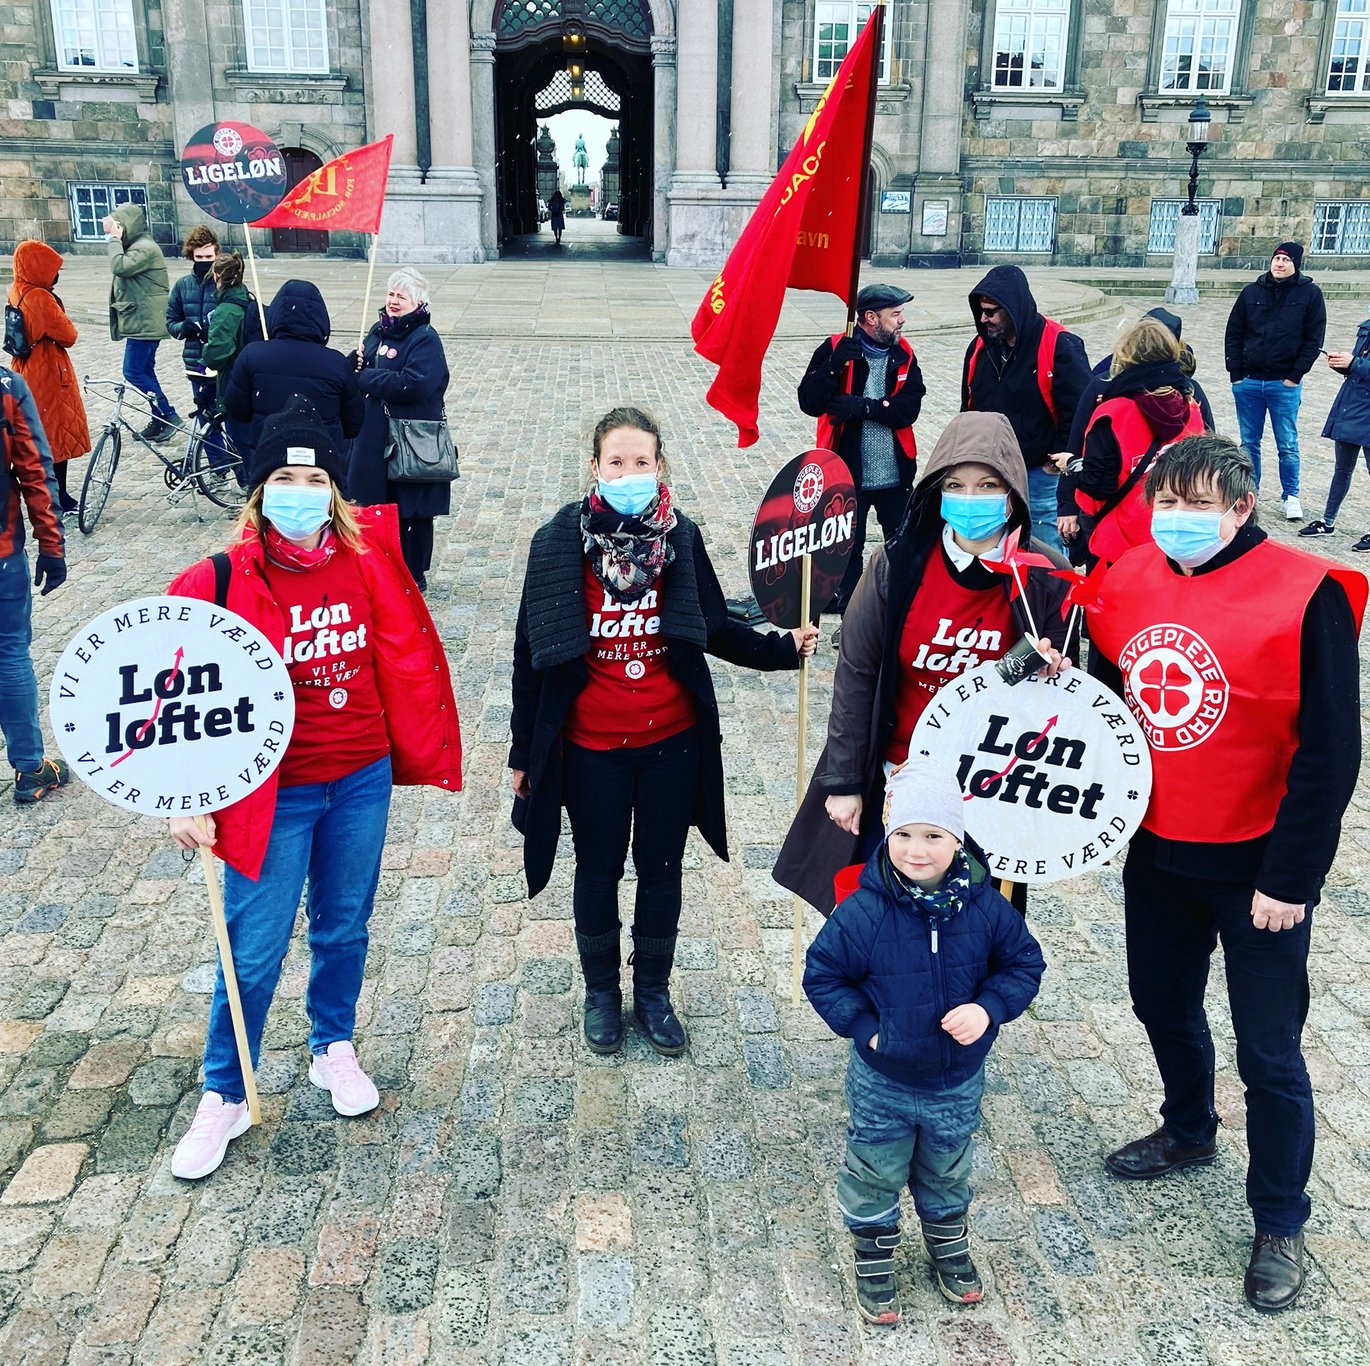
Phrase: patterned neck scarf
pixel 627 554
pixel 295 557
pixel 942 901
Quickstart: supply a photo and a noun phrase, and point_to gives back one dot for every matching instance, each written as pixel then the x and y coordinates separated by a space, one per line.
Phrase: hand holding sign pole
pixel 187 739
pixel 801 541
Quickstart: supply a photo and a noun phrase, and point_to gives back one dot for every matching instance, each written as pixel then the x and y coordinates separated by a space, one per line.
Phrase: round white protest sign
pixel 171 706
pixel 1056 772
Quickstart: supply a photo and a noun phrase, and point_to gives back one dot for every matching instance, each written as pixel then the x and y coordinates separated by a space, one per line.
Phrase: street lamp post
pixel 1183 288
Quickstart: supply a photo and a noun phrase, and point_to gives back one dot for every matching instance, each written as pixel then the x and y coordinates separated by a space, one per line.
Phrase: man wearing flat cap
pixel 866 391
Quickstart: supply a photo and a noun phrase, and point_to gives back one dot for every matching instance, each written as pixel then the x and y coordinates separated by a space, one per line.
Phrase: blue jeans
pixel 1173 925
pixel 898 1135
pixel 334 832
pixel 140 360
pixel 1042 483
pixel 1256 397
pixel 18 686
pixel 1347 451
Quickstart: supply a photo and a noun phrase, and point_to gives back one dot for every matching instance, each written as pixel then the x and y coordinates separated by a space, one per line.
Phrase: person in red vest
pixel 1146 405
pixel 1033 371
pixel 1238 657
pixel 866 391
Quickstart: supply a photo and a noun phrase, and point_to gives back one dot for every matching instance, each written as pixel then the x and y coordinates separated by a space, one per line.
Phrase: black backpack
pixel 16 340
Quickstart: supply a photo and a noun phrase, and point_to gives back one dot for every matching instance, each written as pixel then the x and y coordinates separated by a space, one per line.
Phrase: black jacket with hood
pixel 1275 329
pixel 1009 386
pixel 295 360
pixel 863 694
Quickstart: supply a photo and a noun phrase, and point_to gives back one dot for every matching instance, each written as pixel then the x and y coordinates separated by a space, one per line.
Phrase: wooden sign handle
pixel 801 767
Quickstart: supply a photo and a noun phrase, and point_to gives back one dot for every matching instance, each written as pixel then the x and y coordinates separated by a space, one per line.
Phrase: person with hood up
pixel 1033 371
pixel 295 360
pixel 191 303
pixel 1274 334
pixel 1348 425
pixel 46 367
pixel 924 588
pixel 1145 406
pixel 137 310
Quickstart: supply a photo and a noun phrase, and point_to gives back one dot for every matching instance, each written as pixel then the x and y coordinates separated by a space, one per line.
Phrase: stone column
pixel 939 145
pixel 189 88
pixel 483 135
pixel 1183 287
pixel 696 156
pixel 663 138
pixel 751 157
pixel 392 82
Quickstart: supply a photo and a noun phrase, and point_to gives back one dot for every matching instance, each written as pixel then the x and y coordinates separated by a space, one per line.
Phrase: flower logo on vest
pixel 808 488
pixel 635 668
pixel 1174 685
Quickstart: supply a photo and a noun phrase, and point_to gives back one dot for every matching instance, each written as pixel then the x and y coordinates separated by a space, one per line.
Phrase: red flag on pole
pixel 803 235
pixel 347 192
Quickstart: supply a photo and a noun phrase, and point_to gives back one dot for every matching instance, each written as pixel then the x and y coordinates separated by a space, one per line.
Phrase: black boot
pixel 877 1300
pixel 948 1244
pixel 652 960
pixel 599 958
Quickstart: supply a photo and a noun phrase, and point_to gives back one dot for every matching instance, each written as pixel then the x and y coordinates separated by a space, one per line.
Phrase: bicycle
pixel 209 464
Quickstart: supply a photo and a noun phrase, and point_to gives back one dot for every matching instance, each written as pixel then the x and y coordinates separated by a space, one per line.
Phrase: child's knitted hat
pixel 924 792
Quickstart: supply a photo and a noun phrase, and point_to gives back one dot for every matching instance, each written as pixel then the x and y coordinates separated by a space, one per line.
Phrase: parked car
pixel 544 213
pixel 611 213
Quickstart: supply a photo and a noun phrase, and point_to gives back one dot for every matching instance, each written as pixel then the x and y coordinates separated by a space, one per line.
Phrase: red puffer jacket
pixel 411 673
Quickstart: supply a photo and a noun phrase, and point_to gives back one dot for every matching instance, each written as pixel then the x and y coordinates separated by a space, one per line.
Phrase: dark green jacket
pixel 138 295
pixel 226 339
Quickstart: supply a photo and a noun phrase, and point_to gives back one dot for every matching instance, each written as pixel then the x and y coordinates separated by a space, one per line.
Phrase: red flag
pixel 347 192
pixel 803 235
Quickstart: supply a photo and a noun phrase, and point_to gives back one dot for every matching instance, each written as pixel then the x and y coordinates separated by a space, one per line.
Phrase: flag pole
pixel 256 283
pixel 370 276
pixel 863 223
pixel 805 605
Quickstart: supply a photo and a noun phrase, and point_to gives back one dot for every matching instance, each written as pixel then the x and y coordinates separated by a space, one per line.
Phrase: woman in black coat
pixel 404 375
pixel 615 716
pixel 1348 424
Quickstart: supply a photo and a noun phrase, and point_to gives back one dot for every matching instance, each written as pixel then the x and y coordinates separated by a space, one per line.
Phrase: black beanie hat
pixel 1292 250
pixel 297 436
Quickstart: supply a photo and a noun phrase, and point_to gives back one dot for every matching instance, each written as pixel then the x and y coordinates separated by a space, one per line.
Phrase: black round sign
pixel 234 172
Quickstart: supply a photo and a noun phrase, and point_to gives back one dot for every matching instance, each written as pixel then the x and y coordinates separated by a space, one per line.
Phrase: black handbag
pixel 420 451
pixel 16 339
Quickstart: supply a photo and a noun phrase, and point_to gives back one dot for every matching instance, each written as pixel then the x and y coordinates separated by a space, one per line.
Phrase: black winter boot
pixel 599 960
pixel 652 960
pixel 948 1244
pixel 877 1300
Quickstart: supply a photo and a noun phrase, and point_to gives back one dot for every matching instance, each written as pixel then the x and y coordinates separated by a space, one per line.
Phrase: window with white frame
pixel 1017 223
pixel 95 35
pixel 1198 46
pixel 836 26
pixel 286 35
pixel 1030 44
pixel 1348 70
pixel 1341 229
pixel 1165 215
pixel 92 204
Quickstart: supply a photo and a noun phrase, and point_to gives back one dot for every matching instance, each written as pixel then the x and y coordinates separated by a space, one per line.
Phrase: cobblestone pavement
pixel 515 1199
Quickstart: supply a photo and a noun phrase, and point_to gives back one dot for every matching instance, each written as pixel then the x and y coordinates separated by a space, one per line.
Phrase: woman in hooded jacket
pixel 46 367
pixel 919 594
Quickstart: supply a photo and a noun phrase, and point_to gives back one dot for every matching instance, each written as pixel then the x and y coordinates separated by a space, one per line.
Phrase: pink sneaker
pixel 337 1072
pixel 215 1126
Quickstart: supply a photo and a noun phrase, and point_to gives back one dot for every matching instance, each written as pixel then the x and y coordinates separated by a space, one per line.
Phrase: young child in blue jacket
pixel 919 967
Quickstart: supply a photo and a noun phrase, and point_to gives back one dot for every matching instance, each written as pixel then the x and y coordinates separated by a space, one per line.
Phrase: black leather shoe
pixel 1274 1275
pixel 1157 1154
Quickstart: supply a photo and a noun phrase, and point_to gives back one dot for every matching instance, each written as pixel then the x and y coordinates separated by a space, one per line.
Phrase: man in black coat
pixel 1274 334
pixel 1033 371
pixel 866 391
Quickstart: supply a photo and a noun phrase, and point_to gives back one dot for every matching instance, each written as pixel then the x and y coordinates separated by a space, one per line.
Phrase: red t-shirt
pixel 339 722
pixel 631 698
pixel 949 629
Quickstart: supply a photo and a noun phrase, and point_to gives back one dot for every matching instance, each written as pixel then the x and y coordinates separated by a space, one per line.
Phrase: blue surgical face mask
pixel 1188 538
pixel 296 510
pixel 630 494
pixel 976 516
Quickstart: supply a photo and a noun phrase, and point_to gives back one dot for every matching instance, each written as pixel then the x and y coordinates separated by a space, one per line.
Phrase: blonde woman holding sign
pixel 373 705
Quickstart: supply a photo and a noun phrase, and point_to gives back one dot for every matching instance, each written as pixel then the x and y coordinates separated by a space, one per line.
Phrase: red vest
pixel 903 436
pixel 1129 523
pixel 1210 666
pixel 1046 358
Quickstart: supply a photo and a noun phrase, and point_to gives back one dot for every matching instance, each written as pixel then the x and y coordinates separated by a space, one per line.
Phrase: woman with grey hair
pixel 402 374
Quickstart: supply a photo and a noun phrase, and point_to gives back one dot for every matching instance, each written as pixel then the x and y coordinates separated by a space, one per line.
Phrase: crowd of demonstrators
pixel 1348 425
pixel 922 590
pixel 189 310
pixel 44 364
pixel 920 967
pixel 373 706
pixel 402 374
pixel 615 718
pixel 1274 334
pixel 1034 372
pixel 138 296
pixel 866 391
pixel 27 485
pixel 1242 824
